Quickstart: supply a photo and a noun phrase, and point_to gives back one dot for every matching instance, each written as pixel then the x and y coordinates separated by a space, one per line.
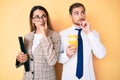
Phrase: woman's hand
pixel 44 30
pixel 22 58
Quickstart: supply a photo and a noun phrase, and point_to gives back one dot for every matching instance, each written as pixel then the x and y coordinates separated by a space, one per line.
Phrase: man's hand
pixel 70 50
pixel 85 26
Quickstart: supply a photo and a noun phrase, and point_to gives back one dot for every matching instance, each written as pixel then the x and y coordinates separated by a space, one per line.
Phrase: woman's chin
pixel 41 25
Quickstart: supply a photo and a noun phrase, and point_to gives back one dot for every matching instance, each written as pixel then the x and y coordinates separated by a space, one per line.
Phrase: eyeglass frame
pixel 37 17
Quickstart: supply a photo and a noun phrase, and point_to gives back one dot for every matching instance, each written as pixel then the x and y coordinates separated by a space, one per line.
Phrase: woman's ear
pixel 33 21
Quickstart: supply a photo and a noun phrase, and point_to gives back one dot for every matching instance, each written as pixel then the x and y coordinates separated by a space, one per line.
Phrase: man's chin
pixel 77 24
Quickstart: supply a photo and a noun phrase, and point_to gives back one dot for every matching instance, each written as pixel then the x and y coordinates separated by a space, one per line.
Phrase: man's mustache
pixel 82 19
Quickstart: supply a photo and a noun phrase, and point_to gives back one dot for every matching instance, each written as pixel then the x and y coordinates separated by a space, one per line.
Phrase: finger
pixel 21 53
pixel 70 45
pixel 72 53
pixel 24 56
pixel 83 24
pixel 23 59
pixel 46 25
pixel 72 50
pixel 18 58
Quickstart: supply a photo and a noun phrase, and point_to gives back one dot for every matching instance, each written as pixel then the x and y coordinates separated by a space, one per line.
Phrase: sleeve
pixel 63 56
pixel 51 48
pixel 97 47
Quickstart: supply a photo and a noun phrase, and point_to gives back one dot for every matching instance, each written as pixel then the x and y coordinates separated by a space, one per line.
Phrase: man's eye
pixel 83 12
pixel 76 13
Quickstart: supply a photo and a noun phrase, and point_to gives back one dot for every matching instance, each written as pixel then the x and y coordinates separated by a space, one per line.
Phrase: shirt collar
pixel 75 27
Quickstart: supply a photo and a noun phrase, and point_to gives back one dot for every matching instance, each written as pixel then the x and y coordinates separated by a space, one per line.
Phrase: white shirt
pixel 36 41
pixel 91 43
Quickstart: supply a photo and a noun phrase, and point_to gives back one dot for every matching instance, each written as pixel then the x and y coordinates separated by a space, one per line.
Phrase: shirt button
pixel 31 59
pixel 32 72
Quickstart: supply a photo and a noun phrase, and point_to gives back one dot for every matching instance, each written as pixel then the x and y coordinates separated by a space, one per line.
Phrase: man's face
pixel 78 15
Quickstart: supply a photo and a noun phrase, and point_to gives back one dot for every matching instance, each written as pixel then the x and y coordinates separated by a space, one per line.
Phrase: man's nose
pixel 81 16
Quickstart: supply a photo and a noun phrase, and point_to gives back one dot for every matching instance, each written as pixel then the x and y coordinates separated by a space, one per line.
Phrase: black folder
pixel 22 47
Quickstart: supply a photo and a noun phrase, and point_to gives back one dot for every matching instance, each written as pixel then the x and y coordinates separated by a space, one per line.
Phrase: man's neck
pixel 77 26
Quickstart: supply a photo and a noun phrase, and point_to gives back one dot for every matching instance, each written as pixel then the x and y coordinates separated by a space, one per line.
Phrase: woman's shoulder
pixel 29 35
pixel 53 34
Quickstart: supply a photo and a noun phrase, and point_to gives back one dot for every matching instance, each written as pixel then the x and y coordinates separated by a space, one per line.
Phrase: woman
pixel 42 45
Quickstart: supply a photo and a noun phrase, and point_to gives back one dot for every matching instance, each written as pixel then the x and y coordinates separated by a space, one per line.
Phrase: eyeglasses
pixel 37 17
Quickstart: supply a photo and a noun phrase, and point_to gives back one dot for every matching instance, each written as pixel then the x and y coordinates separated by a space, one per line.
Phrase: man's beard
pixel 76 23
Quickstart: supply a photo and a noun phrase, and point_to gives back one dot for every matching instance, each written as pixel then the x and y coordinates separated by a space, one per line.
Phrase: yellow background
pixel 103 15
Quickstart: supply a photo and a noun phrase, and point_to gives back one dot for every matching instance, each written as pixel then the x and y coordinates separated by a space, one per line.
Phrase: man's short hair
pixel 74 6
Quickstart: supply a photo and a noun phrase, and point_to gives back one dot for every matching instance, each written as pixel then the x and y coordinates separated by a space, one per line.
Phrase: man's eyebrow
pixel 76 11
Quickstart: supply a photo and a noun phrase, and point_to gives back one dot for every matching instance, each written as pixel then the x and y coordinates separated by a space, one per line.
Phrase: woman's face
pixel 39 18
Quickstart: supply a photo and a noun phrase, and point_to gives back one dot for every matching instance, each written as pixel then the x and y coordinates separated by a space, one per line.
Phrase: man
pixel 90 44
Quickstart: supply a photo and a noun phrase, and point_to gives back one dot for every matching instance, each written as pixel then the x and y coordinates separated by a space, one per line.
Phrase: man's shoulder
pixel 95 32
pixel 64 31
